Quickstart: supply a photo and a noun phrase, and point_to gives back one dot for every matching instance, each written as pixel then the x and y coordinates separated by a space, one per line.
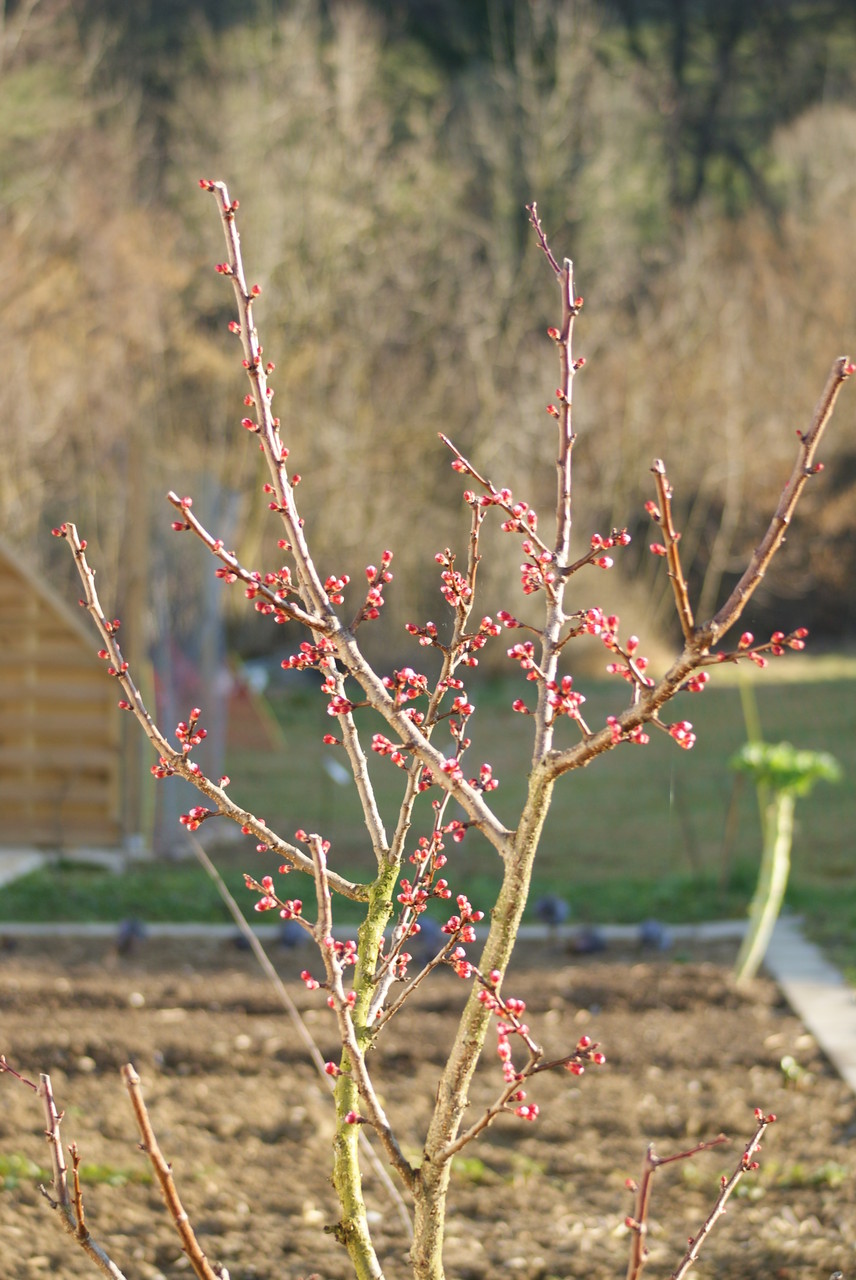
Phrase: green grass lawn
pixel 644 831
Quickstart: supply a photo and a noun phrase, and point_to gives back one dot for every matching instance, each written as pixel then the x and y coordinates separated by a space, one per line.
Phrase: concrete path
pixel 18 862
pixel 817 993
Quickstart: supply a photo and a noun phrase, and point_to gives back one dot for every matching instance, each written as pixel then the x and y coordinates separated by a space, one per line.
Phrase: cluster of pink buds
pixel 454 587
pixel 696 683
pixel 187 732
pixel 377 578
pixel 503 1049
pixel 427 635
pixel 452 767
pixel 597 623
pixel 507 619
pixel 430 853
pixel 457 829
pixel 195 817
pixel 280 582
pixel 522 519
pixel 310 656
pixel 464 924
pixel 460 964
pixel 383 747
pixel 682 732
pixel 163 768
pixel 338 705
pixel 345 952
pixel 405 685
pixel 335 588
pixel 524 653
pixel 637 735
pixel 469 646
pixel 485 781
pixel 535 573
pixel 599 544
pixel 563 699
pixel 495 498
pixel 587 1051
pixel 776 645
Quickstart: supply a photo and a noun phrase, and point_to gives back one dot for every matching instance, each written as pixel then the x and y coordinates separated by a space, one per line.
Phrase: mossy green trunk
pixel 453 1089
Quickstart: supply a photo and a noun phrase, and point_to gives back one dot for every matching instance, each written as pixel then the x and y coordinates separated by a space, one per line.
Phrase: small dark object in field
pixel 240 942
pixel 129 933
pixel 654 936
pixel 8 945
pixel 588 941
pixel 290 934
pixel 425 944
pixel 552 910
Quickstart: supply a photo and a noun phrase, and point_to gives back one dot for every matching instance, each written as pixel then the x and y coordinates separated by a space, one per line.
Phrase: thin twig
pixel 79 1213
pixel 745 1165
pixel 70 1216
pixel 175 761
pixel 671 538
pixel 638 1223
pixel 163 1172
pixel 268 593
pixel 804 468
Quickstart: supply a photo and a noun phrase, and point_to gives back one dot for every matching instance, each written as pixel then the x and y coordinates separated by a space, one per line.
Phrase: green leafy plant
pixel 782 774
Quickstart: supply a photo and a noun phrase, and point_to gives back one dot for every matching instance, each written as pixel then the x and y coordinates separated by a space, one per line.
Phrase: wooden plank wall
pixel 59 727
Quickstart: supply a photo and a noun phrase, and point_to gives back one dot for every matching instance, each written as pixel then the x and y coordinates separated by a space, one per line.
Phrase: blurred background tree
pixel 697 158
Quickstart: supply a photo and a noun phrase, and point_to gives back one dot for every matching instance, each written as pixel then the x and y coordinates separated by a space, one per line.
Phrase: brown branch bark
pixel 671 539
pixel 638 1224
pixel 163 1172
pixel 70 1215
pixel 803 469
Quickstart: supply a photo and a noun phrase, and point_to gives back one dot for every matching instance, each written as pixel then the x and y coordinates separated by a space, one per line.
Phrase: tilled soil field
pixel 246 1121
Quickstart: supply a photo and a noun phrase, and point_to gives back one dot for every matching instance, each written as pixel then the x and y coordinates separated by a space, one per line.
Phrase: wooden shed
pixel 60 732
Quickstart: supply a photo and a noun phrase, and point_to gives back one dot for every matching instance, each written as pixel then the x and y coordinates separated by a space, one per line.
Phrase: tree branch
pixel 804 467
pixel 163 1173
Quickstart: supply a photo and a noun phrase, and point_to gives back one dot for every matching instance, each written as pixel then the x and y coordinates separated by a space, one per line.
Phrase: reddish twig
pixel 671 538
pixel 163 1172
pixel 172 760
pixel 804 467
pixel 278 604
pixel 637 1223
pixel 746 1165
pixel 71 1215
pixel 509 1011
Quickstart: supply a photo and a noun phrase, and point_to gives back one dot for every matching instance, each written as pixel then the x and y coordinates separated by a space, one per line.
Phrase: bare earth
pixel 246 1121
